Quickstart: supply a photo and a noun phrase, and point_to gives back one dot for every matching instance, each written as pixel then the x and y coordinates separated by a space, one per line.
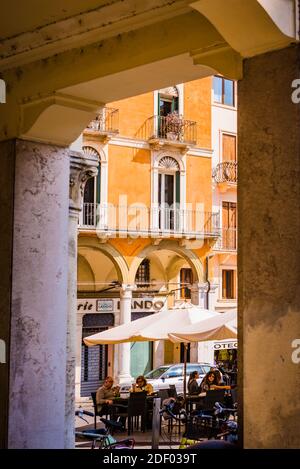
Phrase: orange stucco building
pixel 151 219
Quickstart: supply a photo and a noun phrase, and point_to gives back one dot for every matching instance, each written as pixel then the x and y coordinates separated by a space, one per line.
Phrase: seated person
pixel 212 381
pixel 141 385
pixel 193 386
pixel 105 395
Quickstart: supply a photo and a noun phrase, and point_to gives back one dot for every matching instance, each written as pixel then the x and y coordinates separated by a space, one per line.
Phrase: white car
pixel 164 375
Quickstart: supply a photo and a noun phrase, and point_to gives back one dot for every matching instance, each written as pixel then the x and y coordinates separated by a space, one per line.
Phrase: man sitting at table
pixel 105 395
pixel 141 385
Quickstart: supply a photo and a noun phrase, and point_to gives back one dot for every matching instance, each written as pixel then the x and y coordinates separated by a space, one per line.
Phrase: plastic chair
pixel 137 407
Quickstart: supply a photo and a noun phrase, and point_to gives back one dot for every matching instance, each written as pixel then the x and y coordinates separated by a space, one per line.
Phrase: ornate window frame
pixel 156 157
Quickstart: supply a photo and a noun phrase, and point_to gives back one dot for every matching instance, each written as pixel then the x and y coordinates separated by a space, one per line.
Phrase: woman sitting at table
pixel 193 386
pixel 141 385
pixel 212 381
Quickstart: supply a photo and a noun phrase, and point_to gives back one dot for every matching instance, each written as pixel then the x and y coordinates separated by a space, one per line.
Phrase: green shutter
pixel 98 184
pixel 178 188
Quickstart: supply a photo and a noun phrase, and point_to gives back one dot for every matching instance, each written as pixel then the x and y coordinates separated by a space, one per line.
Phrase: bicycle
pixel 101 438
pixel 208 425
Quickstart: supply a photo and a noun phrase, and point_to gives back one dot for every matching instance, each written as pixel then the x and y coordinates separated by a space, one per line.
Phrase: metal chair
pixel 213 396
pixel 96 412
pixel 137 407
pixel 172 391
pixel 163 394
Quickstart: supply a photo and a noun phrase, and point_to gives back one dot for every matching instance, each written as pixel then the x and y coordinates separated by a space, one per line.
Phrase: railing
pixel 225 172
pixel 106 121
pixel 227 241
pixel 142 220
pixel 178 129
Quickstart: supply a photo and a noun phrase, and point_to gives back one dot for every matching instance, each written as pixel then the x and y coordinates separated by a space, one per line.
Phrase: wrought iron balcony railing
pixel 227 241
pixel 169 128
pixel 145 221
pixel 107 121
pixel 225 172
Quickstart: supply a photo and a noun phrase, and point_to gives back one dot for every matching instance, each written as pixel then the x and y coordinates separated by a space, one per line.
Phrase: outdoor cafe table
pixel 193 399
pixel 122 403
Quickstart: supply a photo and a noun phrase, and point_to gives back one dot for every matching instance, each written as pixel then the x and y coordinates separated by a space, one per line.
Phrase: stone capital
pixel 199 287
pixel 126 290
pixel 82 167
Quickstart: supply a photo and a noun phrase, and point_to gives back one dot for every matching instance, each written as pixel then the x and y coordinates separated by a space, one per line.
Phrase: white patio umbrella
pixel 219 327
pixel 156 326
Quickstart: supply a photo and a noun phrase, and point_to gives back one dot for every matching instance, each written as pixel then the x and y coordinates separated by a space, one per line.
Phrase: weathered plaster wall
pixel 269 249
pixel 39 297
pixel 129 174
pixel 197 107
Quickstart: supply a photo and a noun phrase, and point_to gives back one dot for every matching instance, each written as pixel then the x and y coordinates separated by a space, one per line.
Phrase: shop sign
pixel 113 305
pixel 225 345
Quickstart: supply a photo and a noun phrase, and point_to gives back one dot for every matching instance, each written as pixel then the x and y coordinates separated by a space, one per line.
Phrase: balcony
pixel 170 129
pixel 105 123
pixel 141 221
pixel 225 172
pixel 228 240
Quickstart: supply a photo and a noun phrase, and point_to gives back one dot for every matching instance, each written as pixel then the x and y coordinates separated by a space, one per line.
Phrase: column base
pixel 125 379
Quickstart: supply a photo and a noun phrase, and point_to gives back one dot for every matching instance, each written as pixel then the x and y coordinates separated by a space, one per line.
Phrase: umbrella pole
pixel 184 370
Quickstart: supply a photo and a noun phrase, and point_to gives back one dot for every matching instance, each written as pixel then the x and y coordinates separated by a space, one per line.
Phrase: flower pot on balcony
pixel 172 136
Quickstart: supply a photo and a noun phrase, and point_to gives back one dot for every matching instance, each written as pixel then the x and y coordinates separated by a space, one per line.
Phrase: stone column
pixel 39 297
pixel 78 356
pixel 81 169
pixel 124 349
pixel 269 250
pixel 212 296
pixel 7 173
pixel 198 294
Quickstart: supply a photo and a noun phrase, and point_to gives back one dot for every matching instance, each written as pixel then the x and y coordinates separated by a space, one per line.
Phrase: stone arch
pixel 192 259
pixel 82 262
pixel 112 253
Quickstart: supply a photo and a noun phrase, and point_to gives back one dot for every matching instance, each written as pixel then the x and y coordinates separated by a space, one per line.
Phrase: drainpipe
pixel 207 280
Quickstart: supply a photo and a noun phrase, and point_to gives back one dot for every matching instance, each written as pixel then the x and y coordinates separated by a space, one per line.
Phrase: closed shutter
pixel 228 147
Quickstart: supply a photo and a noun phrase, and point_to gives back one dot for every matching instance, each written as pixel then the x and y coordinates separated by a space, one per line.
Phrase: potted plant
pixel 174 126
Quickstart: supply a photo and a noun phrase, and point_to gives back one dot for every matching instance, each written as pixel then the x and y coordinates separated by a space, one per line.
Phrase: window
pixel 186 280
pixel 229 215
pixel 92 187
pixel 228 284
pixel 168 193
pixel 168 101
pixel 229 225
pixel 223 91
pixel 142 277
pixel 174 372
pixel 228 147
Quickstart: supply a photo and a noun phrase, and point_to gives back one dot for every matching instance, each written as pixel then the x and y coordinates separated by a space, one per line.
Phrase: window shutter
pixel 98 182
pixel 178 187
pixel 228 147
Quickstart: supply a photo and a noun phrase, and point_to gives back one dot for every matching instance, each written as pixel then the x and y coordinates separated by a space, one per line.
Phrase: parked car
pixel 164 375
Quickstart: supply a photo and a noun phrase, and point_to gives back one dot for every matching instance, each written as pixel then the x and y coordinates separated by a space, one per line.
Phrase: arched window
pixel 142 277
pixel 92 187
pixel 168 193
pixel 168 101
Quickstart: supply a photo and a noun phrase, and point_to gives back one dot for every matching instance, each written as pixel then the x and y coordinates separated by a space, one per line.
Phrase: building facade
pixel 155 228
